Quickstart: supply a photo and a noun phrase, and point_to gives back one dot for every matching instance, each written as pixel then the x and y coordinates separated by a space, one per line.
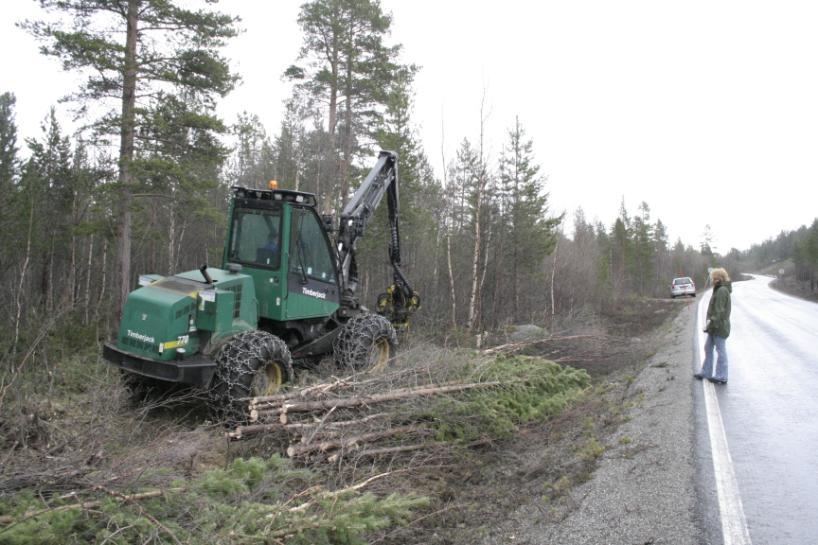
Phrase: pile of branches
pixel 345 415
pixel 468 399
pixel 250 501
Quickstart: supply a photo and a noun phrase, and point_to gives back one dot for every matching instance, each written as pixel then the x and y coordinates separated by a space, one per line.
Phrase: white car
pixel 682 286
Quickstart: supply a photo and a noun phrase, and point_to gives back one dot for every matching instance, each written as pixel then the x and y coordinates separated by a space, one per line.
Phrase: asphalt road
pixel 768 475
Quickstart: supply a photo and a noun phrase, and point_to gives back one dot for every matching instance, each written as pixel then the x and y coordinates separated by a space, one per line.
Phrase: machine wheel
pixel 366 342
pixel 253 363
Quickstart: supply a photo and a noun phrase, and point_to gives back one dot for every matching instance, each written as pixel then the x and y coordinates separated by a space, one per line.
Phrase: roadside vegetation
pixel 792 257
pixel 82 463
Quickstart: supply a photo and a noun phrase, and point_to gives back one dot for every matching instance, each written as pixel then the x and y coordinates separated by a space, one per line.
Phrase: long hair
pixel 719 275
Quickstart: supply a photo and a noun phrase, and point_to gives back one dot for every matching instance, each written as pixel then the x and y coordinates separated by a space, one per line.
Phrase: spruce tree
pixel 524 202
pixel 621 248
pixel 8 144
pixel 9 168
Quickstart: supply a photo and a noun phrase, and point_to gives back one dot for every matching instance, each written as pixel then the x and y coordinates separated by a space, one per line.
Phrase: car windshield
pixel 679 281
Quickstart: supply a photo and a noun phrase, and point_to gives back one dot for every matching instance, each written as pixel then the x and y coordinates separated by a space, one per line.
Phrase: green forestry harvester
pixel 287 292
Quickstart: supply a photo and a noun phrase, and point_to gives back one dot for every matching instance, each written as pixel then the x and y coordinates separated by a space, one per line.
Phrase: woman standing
pixel 717 328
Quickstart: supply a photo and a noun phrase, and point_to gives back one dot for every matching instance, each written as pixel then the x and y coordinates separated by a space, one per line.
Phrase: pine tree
pixel 345 64
pixel 643 248
pixel 164 46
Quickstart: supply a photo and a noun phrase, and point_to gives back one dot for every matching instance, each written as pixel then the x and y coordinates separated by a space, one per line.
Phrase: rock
pixel 526 332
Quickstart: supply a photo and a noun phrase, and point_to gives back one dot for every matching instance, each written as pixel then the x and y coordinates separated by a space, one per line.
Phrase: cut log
pixel 513 347
pixel 314 390
pixel 394 395
pixel 243 431
pixel 275 401
pixel 298 427
pixel 372 452
pixel 348 442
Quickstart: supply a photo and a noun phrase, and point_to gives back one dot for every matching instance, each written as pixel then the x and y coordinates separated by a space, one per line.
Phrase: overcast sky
pixel 706 110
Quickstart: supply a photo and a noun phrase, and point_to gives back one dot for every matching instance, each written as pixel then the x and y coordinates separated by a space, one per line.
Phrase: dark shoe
pixel 698 376
pixel 717 380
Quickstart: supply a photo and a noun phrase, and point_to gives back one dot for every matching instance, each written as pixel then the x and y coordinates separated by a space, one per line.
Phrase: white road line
pixel 733 523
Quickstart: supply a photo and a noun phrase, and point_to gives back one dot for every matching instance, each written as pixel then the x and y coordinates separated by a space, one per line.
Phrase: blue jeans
pixel 719 343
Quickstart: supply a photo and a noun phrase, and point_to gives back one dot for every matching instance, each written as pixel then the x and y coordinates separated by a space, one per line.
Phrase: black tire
pixel 253 363
pixel 365 343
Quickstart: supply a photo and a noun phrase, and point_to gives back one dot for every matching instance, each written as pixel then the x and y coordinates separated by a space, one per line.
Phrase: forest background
pixel 143 186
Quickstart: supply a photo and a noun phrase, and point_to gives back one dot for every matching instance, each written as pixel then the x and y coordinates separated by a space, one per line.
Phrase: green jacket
pixel 718 311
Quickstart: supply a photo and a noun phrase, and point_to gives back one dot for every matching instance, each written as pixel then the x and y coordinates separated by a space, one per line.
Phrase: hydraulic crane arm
pixel 400 299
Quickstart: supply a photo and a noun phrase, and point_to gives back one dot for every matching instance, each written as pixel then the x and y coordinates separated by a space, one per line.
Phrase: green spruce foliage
pixel 534 390
pixel 252 501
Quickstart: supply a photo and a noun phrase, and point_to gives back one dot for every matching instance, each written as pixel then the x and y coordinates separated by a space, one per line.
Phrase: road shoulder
pixel 643 489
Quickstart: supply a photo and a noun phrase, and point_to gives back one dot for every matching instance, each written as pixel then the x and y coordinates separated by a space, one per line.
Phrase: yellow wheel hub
pixel 378 356
pixel 268 380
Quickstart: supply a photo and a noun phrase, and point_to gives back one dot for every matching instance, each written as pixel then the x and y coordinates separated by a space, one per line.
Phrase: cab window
pixel 309 252
pixel 256 238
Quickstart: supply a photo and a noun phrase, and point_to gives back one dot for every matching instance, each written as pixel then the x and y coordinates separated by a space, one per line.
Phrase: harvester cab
pixel 287 292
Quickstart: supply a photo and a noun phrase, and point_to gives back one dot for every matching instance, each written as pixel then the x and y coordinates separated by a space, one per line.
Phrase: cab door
pixel 312 283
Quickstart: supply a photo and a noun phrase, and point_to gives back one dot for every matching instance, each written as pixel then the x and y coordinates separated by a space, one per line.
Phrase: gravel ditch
pixel 642 490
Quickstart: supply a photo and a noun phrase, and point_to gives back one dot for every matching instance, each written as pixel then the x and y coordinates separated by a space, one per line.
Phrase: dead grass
pixel 792 287
pixel 91 436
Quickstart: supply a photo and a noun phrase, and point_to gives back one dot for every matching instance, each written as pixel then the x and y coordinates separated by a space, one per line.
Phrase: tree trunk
pixel 18 297
pixel 349 442
pixel 126 151
pixel 451 278
pixel 88 278
pixel 49 300
pixel 553 274
pixel 343 171
pixel 495 299
pixel 483 273
pixel 103 282
pixel 447 225
pixel 292 406
pixel 171 237
pixel 475 266
pixel 478 208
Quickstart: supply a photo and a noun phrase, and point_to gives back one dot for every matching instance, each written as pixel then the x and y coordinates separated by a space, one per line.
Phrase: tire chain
pixel 353 344
pixel 236 365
